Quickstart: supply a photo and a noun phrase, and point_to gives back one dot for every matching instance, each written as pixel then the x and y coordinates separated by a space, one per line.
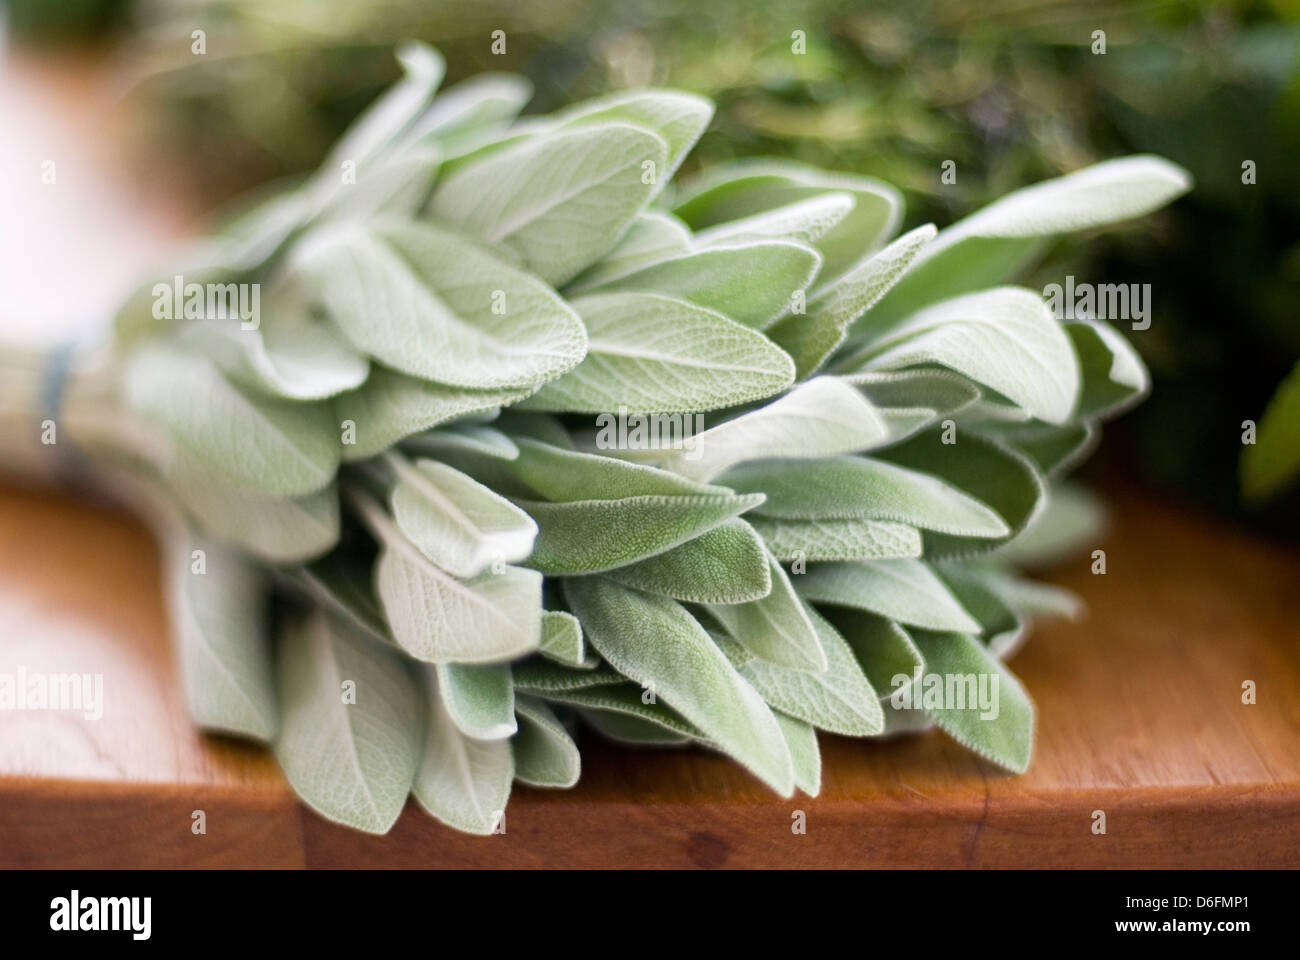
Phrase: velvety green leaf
pixel 655 354
pixel 556 202
pixel 632 729
pixel 351 760
pixel 933 390
pixel 652 237
pixel 991 245
pixel 814 540
pixel 1003 733
pixel 591 536
pixel 545 754
pixel 801 738
pixel 752 283
pixel 219 620
pixel 819 418
pixel 1114 377
pixel 775 628
pixel 725 565
pixel 340 585
pixel 479 698
pixel 544 678
pixel 812 336
pixel 429 304
pixel 731 191
pixel 1004 338
pixel 904 590
pixel 473 107
pixel 1072 522
pixel 254 442
pixel 464 437
pixel 455 521
pixel 1001 627
pixel 627 702
pixel 804 221
pixel 685 669
pixel 839 699
pixel 391 406
pixel 562 639
pixel 567 475
pixel 882 648
pixel 461 781
pixel 861 488
pixel 1053 450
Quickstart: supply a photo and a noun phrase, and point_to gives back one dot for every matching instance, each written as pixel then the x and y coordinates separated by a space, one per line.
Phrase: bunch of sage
pixel 430 522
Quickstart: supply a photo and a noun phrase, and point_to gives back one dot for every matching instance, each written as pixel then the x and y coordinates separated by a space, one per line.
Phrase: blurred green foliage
pixel 1011 91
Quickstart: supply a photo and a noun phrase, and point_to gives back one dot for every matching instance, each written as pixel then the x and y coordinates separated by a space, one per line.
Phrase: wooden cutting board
pixel 1140 716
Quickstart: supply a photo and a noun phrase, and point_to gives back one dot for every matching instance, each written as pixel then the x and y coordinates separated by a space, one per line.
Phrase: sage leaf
pixel 249 441
pixel 462 438
pixel 351 760
pixel 655 354
pixel 901 589
pixel 631 729
pixel 685 669
pixel 802 222
pixel 752 283
pixel 219 619
pixel 801 738
pixel 562 639
pixel 885 651
pixel 817 540
pixel 480 699
pixel 461 781
pixel 558 201
pixel 1004 732
pixel 776 627
pixel 455 521
pixel 725 565
pixel 634 708
pixel 425 302
pixel 545 755
pixel 543 678
pixel 822 417
pixel 1114 376
pixel 652 237
pixel 567 475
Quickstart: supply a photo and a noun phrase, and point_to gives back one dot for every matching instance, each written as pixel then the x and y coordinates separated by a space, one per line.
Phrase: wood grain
pixel 1140 715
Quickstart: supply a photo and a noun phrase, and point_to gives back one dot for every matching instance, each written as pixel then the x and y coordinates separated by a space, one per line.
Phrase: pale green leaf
pixel 545 754
pixel 562 639
pixel 652 237
pixel 725 565
pixel 883 649
pixel 801 738
pixel 814 540
pixel 1114 376
pixel 804 221
pixel 775 628
pixel 901 589
pixel 349 742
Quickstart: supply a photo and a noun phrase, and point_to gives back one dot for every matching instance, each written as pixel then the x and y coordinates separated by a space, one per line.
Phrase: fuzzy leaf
pixel 545 754
pixel 725 565
pixel 904 590
pixel 685 669
pixel 429 304
pixel 652 237
pixel 804 221
pixel 555 202
pixel 562 639
pixel 775 628
pixel 882 648
pixel 480 699
pixel 352 762
pixel 655 354
pixel 1114 376
pixel 815 540
pixel 801 738
pixel 461 781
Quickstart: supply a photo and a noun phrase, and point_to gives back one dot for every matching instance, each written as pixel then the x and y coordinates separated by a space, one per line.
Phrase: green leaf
pixel 463 782
pixel 1001 628
pixel 1004 338
pixel 993 244
pixel 632 729
pixel 254 442
pixel 562 639
pixel 652 237
pixel 775 628
pixel 567 475
pixel 291 355
pixel 882 648
pixel 541 677
pixel 439 618
pixel 839 698
pixel 219 621
pixel 725 565
pixel 812 336
pixel 654 354
pixel 429 304
pixel 730 191
pixel 545 754
pixel 993 474
pixel 1004 732
pixel 455 521
pixel 462 438
pixel 556 202
pixel 340 585
pixel 351 762
pixel 472 108
pixel 752 283
pixel 819 418
pixel 479 698
pixel 678 118
pixel 591 536
pixel 391 406
pixel 1270 464
pixel 861 488
pixel 814 540
pixel 904 590
pixel 931 390
pixel 685 669
pixel 1053 450
pixel 626 708
pixel 1114 377
pixel 804 221
pixel 801 738
pixel 278 530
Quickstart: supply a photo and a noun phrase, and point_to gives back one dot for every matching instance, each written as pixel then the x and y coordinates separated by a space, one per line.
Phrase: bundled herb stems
pixel 497 432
